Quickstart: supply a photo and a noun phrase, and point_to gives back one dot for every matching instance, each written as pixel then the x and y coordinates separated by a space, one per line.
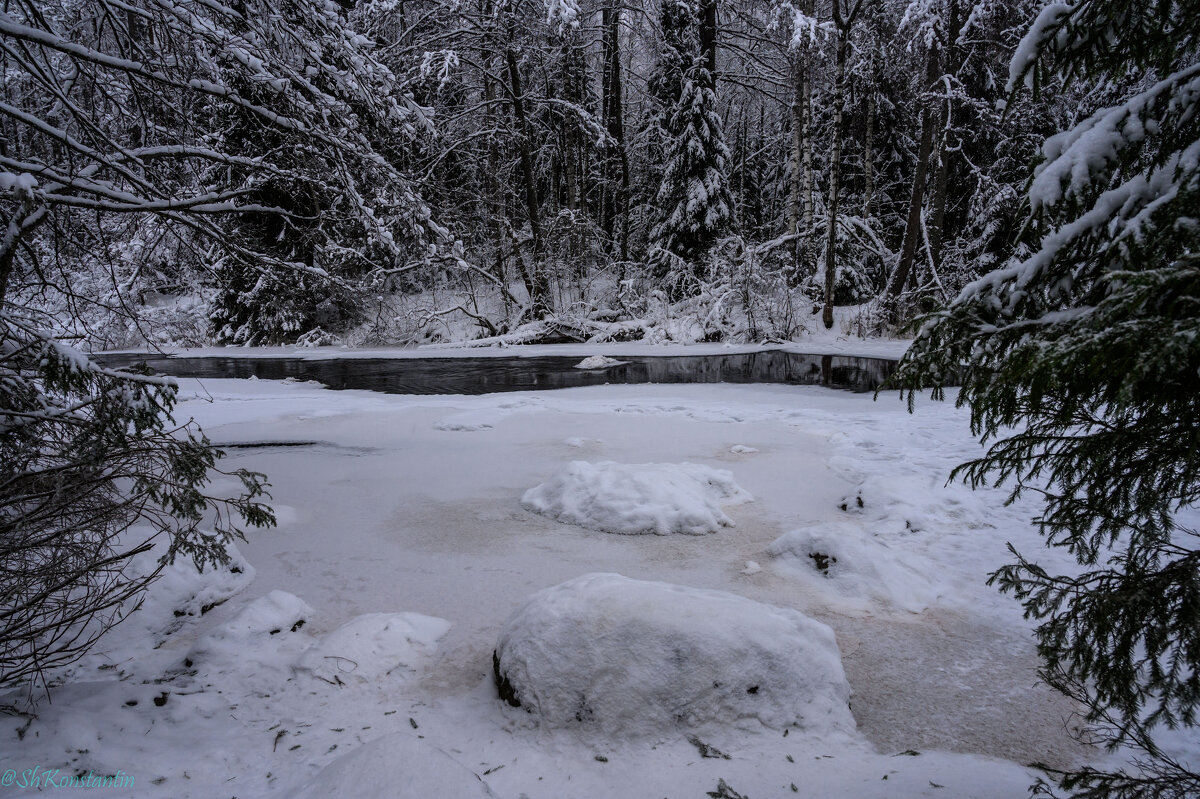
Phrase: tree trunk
pixel 869 157
pixel 797 144
pixel 912 226
pixel 615 213
pixel 835 168
pixel 937 216
pixel 708 38
pixel 535 276
pixel 806 143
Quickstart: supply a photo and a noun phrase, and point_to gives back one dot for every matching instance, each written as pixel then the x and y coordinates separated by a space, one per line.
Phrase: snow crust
pixel 636 658
pixel 637 499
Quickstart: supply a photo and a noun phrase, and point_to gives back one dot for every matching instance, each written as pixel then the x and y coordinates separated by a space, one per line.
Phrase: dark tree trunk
pixel 835 170
pixel 844 24
pixel 708 37
pixel 912 226
pixel 615 204
pixel 937 217
pixel 535 276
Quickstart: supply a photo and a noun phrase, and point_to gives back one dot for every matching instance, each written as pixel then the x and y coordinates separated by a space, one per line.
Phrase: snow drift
pixel 396 765
pixel 374 646
pixel 267 641
pixel 635 499
pixel 629 658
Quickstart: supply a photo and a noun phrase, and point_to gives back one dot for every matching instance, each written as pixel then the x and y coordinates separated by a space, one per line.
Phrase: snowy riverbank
pixel 411 506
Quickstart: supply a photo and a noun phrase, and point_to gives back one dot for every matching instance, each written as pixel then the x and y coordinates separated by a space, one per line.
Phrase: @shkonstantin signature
pixel 38 777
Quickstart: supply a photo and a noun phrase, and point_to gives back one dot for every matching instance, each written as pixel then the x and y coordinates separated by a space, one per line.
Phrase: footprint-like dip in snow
pixel 638 498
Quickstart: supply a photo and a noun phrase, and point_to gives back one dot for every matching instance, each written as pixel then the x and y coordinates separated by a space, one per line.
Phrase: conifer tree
pixel 1081 367
pixel 694 202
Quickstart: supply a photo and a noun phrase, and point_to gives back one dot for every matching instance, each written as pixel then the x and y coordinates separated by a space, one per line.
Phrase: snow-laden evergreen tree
pixel 694 203
pixel 1081 367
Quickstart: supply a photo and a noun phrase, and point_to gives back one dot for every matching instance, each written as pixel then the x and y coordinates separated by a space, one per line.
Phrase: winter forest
pixel 413 172
pixel 693 570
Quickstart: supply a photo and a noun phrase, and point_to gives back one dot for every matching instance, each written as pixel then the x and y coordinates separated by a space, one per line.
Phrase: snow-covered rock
pixel 396 765
pixel 742 449
pixel 634 499
pixel 627 657
pixel 375 645
pixel 856 568
pixel 598 362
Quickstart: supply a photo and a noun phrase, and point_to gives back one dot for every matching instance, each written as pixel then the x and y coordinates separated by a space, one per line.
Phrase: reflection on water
pixel 486 375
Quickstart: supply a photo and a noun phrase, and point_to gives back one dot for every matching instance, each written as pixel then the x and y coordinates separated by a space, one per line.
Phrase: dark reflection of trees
pixel 486 375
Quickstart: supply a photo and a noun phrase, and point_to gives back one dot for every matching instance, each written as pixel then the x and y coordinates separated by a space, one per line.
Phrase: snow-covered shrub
pixel 633 658
pixel 96 473
pixel 635 499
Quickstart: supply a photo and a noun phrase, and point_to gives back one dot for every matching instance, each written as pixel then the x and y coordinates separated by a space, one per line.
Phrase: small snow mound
pixel 752 567
pixel 375 645
pixel 627 657
pixel 183 593
pixel 396 765
pixel 598 362
pixel 858 567
pixel 635 499
pixel 259 644
pixel 576 442
pixel 742 449
pixel 270 615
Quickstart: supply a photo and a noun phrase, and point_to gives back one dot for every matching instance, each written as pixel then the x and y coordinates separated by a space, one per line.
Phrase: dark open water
pixel 487 375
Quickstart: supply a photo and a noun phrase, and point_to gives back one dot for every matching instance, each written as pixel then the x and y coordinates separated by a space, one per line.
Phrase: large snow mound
pixel 857 569
pixel 396 765
pixel 634 499
pixel 375 645
pixel 628 657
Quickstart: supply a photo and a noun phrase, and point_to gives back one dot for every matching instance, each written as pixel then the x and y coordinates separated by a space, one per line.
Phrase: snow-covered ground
pixel 353 654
